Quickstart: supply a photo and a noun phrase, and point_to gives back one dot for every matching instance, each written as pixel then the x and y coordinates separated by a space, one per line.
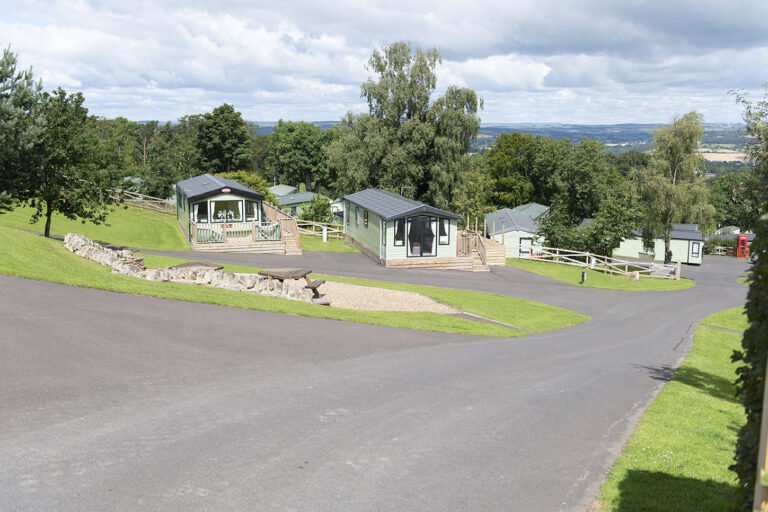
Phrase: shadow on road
pixel 660 492
pixel 711 384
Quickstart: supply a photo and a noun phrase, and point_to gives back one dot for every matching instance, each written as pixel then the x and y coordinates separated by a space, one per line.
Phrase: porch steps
pixel 495 253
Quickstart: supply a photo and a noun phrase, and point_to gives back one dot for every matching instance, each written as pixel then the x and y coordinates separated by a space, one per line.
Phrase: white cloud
pixel 593 62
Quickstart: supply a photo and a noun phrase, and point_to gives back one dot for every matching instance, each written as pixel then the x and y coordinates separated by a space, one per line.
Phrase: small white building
pixel 687 246
pixel 518 231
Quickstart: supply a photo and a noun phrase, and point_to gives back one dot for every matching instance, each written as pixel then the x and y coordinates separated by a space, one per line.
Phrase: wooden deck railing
pixel 469 242
pixel 605 264
pixel 229 232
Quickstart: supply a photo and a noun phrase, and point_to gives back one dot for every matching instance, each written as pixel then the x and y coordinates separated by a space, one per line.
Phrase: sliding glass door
pixel 421 236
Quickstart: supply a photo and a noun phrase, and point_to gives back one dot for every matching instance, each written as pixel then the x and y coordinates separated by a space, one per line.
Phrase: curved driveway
pixel 119 402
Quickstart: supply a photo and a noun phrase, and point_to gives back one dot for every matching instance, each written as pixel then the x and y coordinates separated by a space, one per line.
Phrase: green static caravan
pixel 208 207
pixel 687 246
pixel 516 230
pixel 397 231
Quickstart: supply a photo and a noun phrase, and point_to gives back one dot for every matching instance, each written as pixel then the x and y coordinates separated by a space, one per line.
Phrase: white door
pixel 525 246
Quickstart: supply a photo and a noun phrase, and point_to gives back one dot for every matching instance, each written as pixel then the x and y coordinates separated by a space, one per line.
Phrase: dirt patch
pixel 366 298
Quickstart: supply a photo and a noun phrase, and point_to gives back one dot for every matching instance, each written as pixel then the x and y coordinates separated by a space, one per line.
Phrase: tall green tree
pixel 223 141
pixel 750 383
pixel 296 154
pixel 510 163
pixel 407 140
pixel 20 128
pixel 76 175
pixel 671 190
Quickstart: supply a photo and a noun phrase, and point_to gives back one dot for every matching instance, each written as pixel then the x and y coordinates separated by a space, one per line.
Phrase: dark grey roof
pixel 297 198
pixel 510 220
pixel 206 185
pixel 391 206
pixel 535 210
pixel 680 232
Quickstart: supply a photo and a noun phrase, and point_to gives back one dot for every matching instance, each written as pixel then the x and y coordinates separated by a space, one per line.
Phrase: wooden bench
pixel 281 274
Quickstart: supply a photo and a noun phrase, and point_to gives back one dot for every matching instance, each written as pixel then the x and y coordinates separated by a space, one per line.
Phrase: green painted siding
pixel 512 242
pixel 369 236
pixel 682 250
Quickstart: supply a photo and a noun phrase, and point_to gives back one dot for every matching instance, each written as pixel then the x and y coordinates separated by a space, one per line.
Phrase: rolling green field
pixel 35 257
pixel 677 459
pixel 595 279
pixel 126 226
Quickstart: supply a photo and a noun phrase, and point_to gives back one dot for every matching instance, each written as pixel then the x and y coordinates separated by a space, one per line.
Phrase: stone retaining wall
pixel 124 262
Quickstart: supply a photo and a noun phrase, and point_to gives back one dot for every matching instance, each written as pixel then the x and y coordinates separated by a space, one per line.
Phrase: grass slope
pixel 526 314
pixel 677 459
pixel 572 275
pixel 35 257
pixel 128 226
pixel 315 243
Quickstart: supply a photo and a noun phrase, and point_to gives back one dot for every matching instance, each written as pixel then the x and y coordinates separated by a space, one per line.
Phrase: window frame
pixel 431 219
pixel 365 218
pixel 394 234
pixel 695 253
pixel 440 221
pixel 225 221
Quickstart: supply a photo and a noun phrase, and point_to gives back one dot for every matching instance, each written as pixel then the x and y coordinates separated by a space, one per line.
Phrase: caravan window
pixel 445 231
pixel 227 211
pixel 695 247
pixel 200 212
pixel 399 232
pixel 251 211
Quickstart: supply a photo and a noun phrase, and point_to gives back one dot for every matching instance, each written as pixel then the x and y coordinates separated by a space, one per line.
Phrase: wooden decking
pixel 449 263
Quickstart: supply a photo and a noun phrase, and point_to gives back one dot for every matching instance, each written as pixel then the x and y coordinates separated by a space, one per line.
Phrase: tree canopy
pixel 21 129
pixel 407 141
pixel 223 141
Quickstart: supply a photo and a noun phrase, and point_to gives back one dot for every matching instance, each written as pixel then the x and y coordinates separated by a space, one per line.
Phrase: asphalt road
pixel 120 402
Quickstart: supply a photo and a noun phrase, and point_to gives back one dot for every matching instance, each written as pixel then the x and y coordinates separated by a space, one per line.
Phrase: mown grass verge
pixel 35 257
pixel 595 279
pixel 127 226
pixel 315 243
pixel 677 459
pixel 522 313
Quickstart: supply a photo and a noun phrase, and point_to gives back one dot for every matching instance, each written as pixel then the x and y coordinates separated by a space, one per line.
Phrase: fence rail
pixel 308 227
pixel 605 264
pixel 145 201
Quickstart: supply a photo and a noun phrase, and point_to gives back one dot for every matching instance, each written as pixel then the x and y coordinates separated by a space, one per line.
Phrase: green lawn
pixel 526 314
pixel 126 226
pixel 315 243
pixel 677 459
pixel 35 257
pixel 595 279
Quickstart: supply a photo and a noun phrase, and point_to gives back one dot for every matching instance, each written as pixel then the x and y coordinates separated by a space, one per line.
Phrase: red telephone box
pixel 741 247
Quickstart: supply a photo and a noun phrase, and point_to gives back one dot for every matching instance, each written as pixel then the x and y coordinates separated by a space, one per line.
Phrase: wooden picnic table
pixel 281 274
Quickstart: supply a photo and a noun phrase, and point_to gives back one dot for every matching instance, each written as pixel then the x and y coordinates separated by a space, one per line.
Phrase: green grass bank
pixel 677 459
pixel 596 279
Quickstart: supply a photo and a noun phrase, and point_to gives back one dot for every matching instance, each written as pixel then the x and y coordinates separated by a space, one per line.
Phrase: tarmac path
pixel 118 402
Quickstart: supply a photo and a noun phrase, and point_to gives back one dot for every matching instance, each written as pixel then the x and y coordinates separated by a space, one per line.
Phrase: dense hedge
pixel 751 376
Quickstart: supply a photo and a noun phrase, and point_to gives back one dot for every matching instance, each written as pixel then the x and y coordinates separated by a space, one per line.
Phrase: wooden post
pixel 502 234
pixel 466 226
pixel 475 224
pixel 677 271
pixel 493 231
pixel 485 228
pixel 254 230
pixel 194 233
pixel 224 232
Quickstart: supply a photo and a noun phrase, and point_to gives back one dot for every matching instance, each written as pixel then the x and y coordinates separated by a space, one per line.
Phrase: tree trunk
pixel 667 251
pixel 48 215
pixel 308 182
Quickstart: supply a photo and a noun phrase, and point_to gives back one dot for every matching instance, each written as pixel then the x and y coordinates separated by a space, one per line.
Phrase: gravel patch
pixel 366 298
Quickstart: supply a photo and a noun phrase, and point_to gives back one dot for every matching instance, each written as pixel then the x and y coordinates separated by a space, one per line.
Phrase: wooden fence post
pixel 254 230
pixel 475 224
pixel 677 271
pixel 224 232
pixel 485 228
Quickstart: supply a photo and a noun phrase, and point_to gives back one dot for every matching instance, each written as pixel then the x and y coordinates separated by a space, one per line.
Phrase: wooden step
pixel 315 284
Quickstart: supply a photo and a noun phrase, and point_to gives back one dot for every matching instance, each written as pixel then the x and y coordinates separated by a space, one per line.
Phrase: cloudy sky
pixel 589 62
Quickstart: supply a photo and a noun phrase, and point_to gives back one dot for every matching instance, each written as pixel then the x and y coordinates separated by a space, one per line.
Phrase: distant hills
pixel 618 137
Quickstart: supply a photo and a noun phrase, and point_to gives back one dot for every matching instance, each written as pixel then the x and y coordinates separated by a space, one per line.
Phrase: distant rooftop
pixel 283 190
pixel 535 210
pixel 506 220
